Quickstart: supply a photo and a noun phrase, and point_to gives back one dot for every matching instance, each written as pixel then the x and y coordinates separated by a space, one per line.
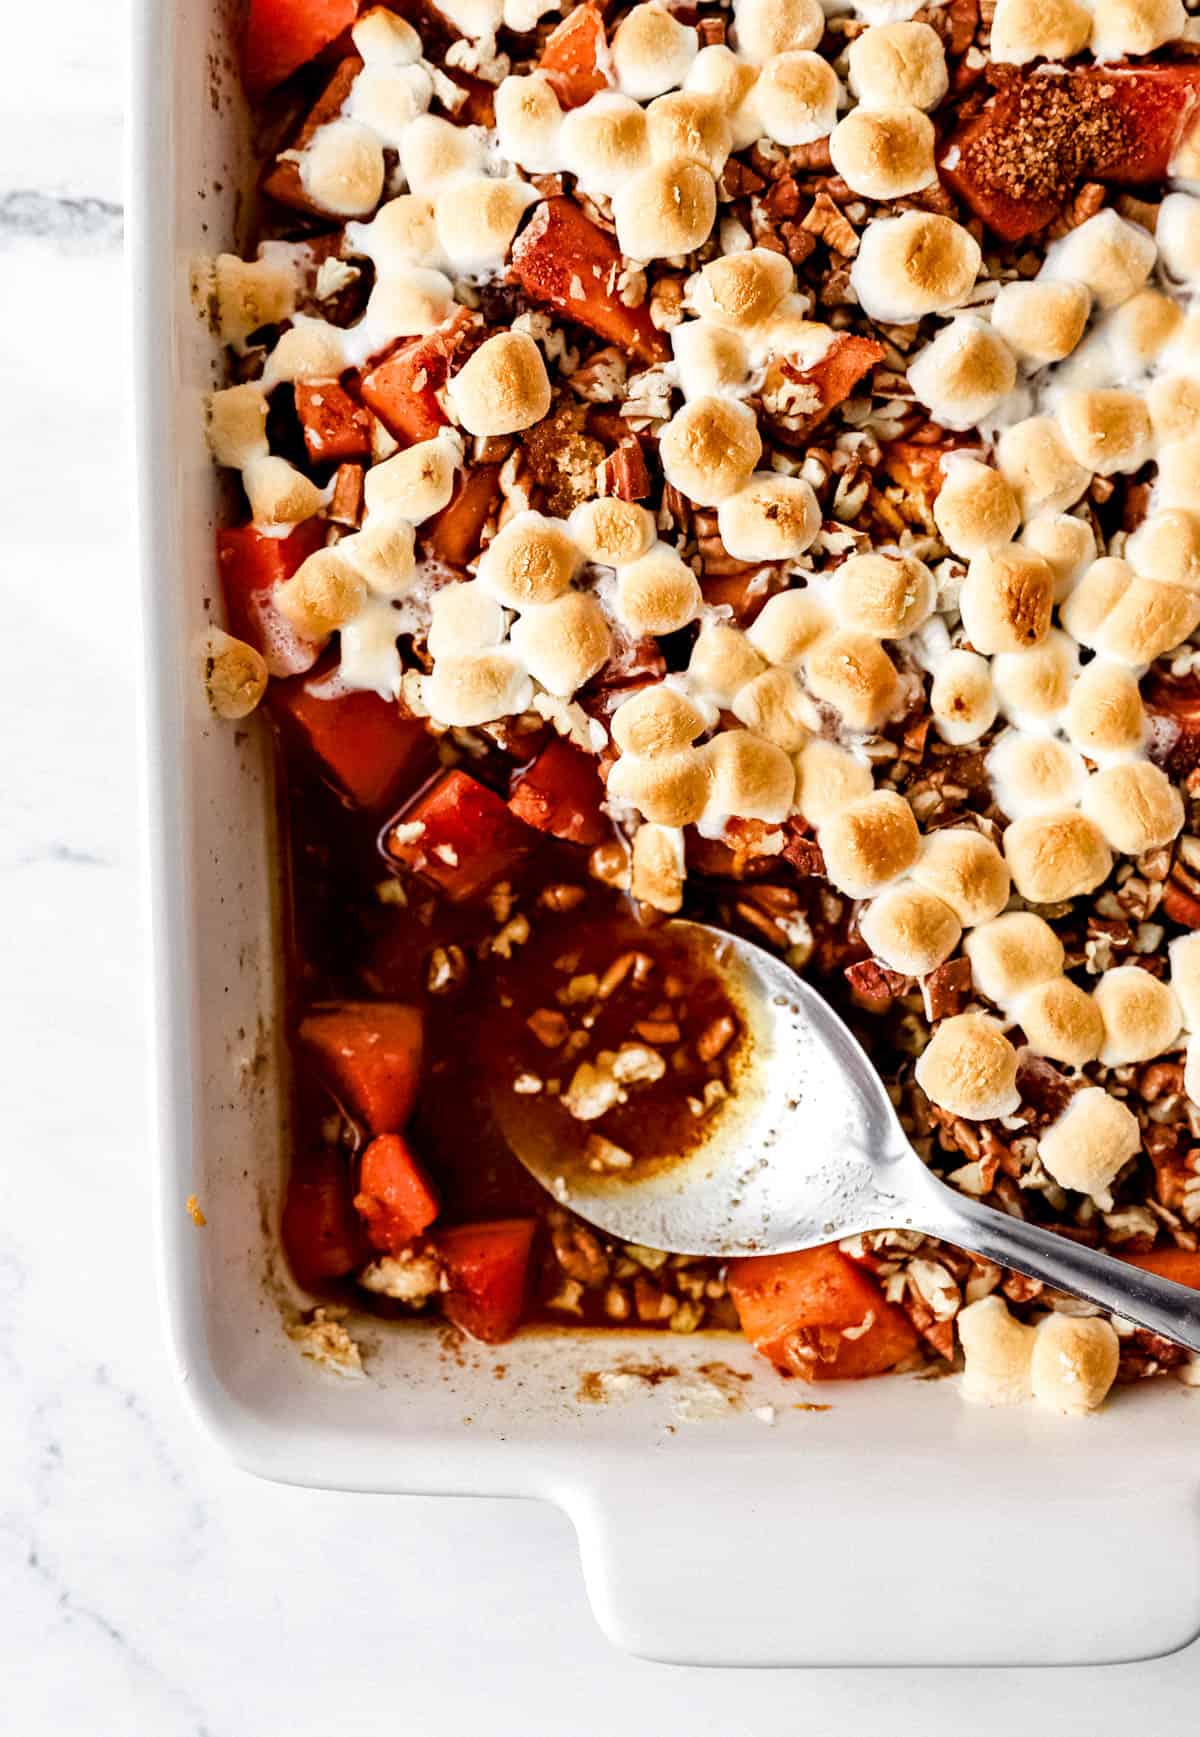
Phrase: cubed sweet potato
pixel 251 566
pixel 486 1267
pixel 367 746
pixel 817 1315
pixel 395 1198
pixel 369 1055
pixel 458 835
pixel 564 261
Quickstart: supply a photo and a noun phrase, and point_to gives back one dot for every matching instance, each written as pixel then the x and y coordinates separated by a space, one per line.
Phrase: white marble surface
pixel 146 1586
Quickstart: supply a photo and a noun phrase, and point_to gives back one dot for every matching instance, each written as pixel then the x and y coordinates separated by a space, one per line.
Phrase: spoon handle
pixel 1158 1304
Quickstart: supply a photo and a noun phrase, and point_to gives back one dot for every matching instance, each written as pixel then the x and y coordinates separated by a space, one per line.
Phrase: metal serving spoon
pixel 808 1149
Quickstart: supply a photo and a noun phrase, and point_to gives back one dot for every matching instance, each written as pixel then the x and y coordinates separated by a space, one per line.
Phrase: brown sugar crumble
pixel 1052 131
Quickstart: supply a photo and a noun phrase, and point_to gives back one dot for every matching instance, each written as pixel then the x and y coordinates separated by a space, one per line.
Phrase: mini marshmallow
pixel 975 509
pixel 1012 954
pixel 1095 1136
pixel 898 63
pixel 913 265
pixel 478 688
pixel 322 595
pixel 1178 236
pixel 787 625
pixel 910 930
pixel 278 493
pixel 869 843
pixel 670 790
pixel 723 660
pixel 1178 482
pixel 1166 547
pixel 435 152
pixel 658 593
pixel 1112 256
pixel 1123 28
pixel 342 169
pixel 1147 621
pixel 751 779
pixel 970 1068
pixel 773 705
pixel 1025 30
pixel 1173 401
pixel 997 1353
pixel 463 618
pixel 531 560
pixel 962 697
pixel 656 721
pixel 964 373
pixel 1060 1022
pixel 1034 460
pixel 528 122
pixel 710 361
pixel 1142 1018
pixel 477 219
pixel 1139 330
pixel 1105 715
pixel 657 869
pixel 1034 686
pixel 235 675
pixel 562 644
pixel 851 672
pixel 1066 543
pixel 1074 1362
pixel 887 596
pixel 690 125
pixel 1097 593
pixel 605 141
pixel 718 72
pixel 652 51
pixel 884 153
pixel 966 871
pixel 1135 805
pixel 665 210
pixel 828 778
pixel 796 98
pixel 742 290
pixel 236 424
pixel 1107 432
pixel 503 387
pixel 1006 600
pixel 416 482
pixel 251 294
pixel 1053 857
pixel 1034 774
pixel 383 553
pixel 409 303
pixel 308 350
pixel 771 518
pixel 1184 954
pixel 612 532
pixel 764 28
pixel 709 449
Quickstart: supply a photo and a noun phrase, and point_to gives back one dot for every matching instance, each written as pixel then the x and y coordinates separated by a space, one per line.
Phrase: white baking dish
pixel 896 1527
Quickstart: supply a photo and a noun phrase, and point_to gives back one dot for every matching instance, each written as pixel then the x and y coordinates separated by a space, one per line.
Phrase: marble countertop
pixel 147 1586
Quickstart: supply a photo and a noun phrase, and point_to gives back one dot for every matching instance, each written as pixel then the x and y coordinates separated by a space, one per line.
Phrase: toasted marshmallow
pixel 910 266
pixel 1007 599
pixel 670 789
pixel 970 1068
pixel 1147 621
pixel 409 303
pixel 787 625
pixel 435 152
pixel 723 660
pixel 236 424
pixel 309 350
pixel 1066 543
pixel 1178 236
pixel 1135 805
pixel 1033 687
pixel 416 482
pixel 1105 715
pixel 1025 30
pixel 1112 256
pixel 851 672
pixel 773 706
pixel 1056 856
pixel 1106 432
pixel 342 169
pixel 532 560
pixel 235 675
pixel 828 778
pixel 503 387
pixel 387 99
pixel 278 493
pixel 1011 955
pixel 1061 1022
pixel 718 72
pixel 612 532
pixel 997 1352
pixel 966 871
pixel 910 930
pixel 1142 1018
pixel 751 779
pixel 322 595
pixel 1075 1358
pixel 652 51
pixel 690 125
pixel 1129 27
pixel 1166 547
pixel 742 290
pixel 1173 401
pixel 464 618
pixel 477 219
pixel 869 843
pixel 251 294
pixel 796 98
pixel 656 721
pixel 709 360
pixel 528 122
pixel 478 688
pixel 975 510
pixel 887 596
pixel 1178 483
pixel 964 373
pixel 709 449
pixel 1098 592
pixel 562 644
pixel 605 141
pixel 764 28
pixel 898 63
pixel 383 554
pixel 1034 774
pixel 657 869
pixel 962 697
pixel 773 518
pixel 884 153
pixel 401 233
pixel 1095 1136
pixel 658 593
pixel 1184 954
pixel 1036 463
pixel 1138 331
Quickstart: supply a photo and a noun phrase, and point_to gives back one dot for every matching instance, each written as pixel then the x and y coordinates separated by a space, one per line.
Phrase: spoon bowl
pixel 807 1149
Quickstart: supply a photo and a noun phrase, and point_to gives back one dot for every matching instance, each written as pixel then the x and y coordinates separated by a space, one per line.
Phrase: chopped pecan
pixel 346 503
pixel 738 180
pixel 783 199
pixel 811 156
pixel 798 242
pixel 825 221
pixel 802 852
pixel 711 31
pixel 946 990
pixel 624 473
pixel 873 987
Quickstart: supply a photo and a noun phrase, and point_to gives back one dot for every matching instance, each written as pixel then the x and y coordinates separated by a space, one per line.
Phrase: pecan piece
pixel 624 474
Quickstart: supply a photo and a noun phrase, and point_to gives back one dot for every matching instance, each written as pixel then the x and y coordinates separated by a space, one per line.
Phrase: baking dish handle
pixel 887 1568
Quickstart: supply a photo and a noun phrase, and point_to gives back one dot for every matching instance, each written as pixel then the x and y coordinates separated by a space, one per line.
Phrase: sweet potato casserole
pixel 740 460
